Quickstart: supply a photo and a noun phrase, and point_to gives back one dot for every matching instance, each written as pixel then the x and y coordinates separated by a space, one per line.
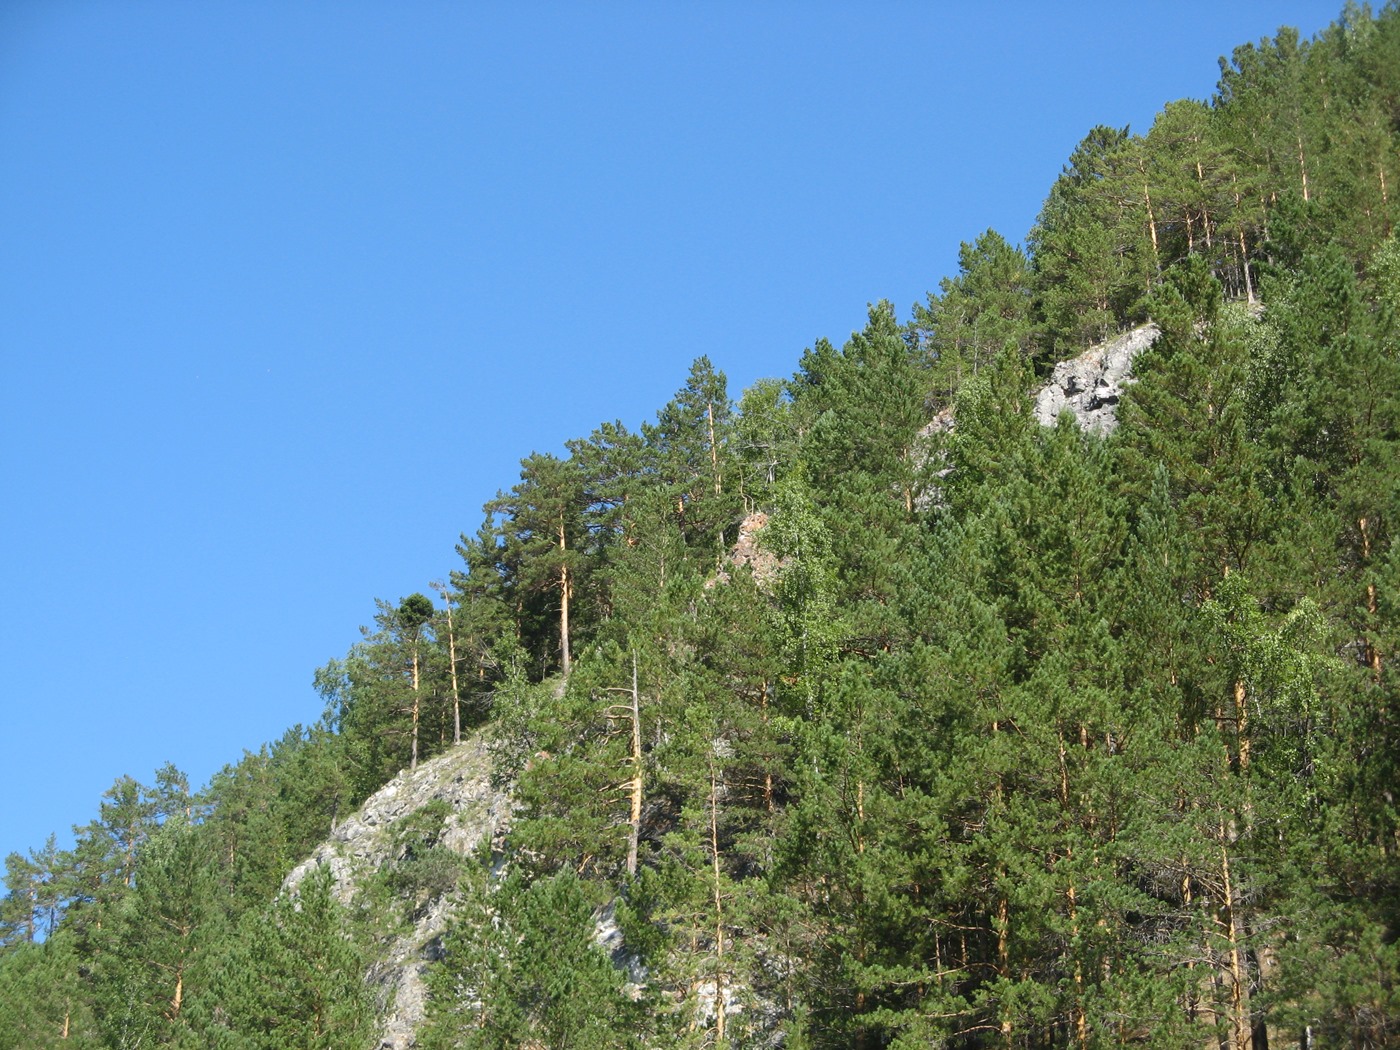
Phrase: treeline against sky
pixel 998 737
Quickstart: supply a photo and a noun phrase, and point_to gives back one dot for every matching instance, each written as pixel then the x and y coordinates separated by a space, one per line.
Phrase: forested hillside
pixel 991 736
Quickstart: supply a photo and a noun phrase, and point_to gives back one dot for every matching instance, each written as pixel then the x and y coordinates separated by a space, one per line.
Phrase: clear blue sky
pixel 288 289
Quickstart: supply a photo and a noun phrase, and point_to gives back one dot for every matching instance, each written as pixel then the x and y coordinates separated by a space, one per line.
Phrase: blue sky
pixel 288 289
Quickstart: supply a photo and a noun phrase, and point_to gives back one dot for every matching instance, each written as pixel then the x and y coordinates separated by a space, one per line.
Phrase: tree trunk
pixel 1244 268
pixel 714 449
pixel 565 592
pixel 1004 959
pixel 1239 986
pixel 1003 926
pixel 1081 1025
pixel 452 668
pixel 1303 168
pixel 1244 251
pixel 768 769
pixel 1151 217
pixel 1081 1020
pixel 635 815
pixel 413 762
pixel 1205 211
pixel 1241 726
pixel 1385 202
pixel 1373 653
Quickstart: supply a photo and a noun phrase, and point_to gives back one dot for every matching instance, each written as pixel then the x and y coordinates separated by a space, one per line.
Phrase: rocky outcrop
pixel 939 424
pixel 748 551
pixel 1088 386
pixel 477 811
pixel 1091 385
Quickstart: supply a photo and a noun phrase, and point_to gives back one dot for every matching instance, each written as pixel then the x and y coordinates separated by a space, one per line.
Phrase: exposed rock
pixel 479 812
pixel 607 934
pixel 749 551
pixel 939 424
pixel 1091 384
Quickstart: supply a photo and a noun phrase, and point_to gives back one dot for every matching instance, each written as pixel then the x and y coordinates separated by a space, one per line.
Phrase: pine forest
pixel 868 710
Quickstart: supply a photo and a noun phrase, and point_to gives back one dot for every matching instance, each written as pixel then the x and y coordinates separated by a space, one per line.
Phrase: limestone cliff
pixel 475 811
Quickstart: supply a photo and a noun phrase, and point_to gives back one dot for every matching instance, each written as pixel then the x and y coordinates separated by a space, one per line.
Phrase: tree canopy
pixel 871 712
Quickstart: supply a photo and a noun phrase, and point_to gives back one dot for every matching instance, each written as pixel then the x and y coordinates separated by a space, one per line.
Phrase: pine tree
pixel 689 454
pixel 44 1003
pixel 291 976
pixel 978 314
pixel 380 693
pixel 153 951
pixel 520 968
pixel 1188 171
pixel 1090 248
pixel 21 915
pixel 765 434
pixel 1189 412
pixel 543 550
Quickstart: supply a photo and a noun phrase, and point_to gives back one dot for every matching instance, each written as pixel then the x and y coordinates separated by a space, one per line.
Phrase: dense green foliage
pixel 1000 736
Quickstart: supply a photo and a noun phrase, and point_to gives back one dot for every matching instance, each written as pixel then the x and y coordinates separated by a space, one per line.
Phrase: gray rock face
pixel 1091 384
pixel 480 812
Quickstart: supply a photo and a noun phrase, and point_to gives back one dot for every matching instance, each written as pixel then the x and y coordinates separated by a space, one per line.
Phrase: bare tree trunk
pixel 1241 726
pixel 635 815
pixel 1205 212
pixel 1003 927
pixel 1373 653
pixel 714 449
pixel 413 762
pixel 452 666
pixel 1244 267
pixel 1081 1020
pixel 1192 1001
pixel 456 687
pixel 1004 959
pixel 1239 990
pixel 1081 1025
pixel 768 770
pixel 1385 201
pixel 1303 167
pixel 565 592
pixel 1151 217
pixel 1244 251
